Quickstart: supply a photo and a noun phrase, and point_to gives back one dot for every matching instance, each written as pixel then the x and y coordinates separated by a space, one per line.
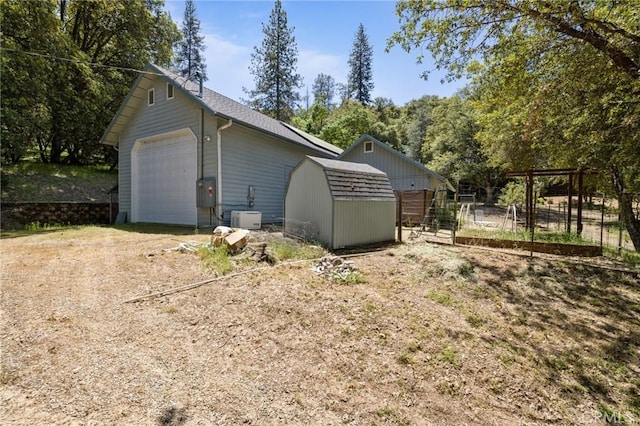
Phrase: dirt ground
pixel 430 335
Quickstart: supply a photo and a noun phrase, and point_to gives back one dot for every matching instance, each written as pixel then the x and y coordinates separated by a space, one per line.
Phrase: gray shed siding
pixel 360 222
pixel 340 220
pixel 163 117
pixel 400 172
pixel 308 199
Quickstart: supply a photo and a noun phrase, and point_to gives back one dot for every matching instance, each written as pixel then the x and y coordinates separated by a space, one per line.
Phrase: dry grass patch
pixel 430 334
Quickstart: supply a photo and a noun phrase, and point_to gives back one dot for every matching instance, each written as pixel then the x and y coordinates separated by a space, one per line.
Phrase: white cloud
pixel 227 66
pixel 311 63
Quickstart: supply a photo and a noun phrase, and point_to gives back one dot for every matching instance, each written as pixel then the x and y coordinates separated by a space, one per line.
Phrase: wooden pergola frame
pixel 529 199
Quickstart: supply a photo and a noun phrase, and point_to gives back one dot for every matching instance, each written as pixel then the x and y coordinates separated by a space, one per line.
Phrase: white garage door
pixel 164 174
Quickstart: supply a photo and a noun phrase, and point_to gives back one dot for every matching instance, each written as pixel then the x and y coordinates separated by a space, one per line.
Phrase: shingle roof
pixel 227 108
pixel 355 180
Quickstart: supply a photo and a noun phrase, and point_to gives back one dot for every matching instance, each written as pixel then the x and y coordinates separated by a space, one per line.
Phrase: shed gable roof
pixel 218 105
pixel 349 181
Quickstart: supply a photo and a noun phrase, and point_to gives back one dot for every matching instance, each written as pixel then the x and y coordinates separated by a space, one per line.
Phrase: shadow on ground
pixel 586 322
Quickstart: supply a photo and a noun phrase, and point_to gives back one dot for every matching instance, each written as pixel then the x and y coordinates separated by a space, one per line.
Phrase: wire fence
pixel 601 224
pixel 465 215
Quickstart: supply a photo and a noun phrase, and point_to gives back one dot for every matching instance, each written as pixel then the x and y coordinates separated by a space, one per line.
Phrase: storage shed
pixel 341 204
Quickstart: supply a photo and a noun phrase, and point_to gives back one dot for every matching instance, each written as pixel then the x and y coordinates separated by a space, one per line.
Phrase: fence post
pixel 619 231
pixel 602 219
pixel 533 222
pixel 400 217
pixel 580 194
pixel 570 198
pixel 424 203
pixel 455 219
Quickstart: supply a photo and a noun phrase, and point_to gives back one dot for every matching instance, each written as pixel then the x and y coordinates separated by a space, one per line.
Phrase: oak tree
pixel 559 81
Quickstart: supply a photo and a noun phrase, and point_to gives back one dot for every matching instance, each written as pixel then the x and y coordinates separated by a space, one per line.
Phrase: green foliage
pixel 324 89
pixel 347 124
pixel 288 249
pixel 389 126
pixel 451 148
pixel 406 359
pixel 344 125
pixel 449 355
pixel 189 57
pixel 441 297
pixel 314 119
pixel 59 87
pixel 558 85
pixel 474 320
pixel 350 278
pixel 35 227
pixel 273 66
pixel 523 235
pixel 627 256
pixel 419 118
pixel 29 181
pixel 216 259
pixel 360 68
pixel 609 415
pixel 457 33
pixel 513 194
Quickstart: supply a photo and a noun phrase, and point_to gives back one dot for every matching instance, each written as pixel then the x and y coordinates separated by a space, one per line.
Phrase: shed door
pixel 164 172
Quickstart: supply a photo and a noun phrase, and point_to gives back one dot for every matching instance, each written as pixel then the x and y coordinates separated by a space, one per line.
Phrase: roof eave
pixel 201 102
pixel 113 141
pixel 105 136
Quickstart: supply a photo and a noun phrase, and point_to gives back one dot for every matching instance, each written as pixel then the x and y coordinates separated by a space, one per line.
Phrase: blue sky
pixel 324 32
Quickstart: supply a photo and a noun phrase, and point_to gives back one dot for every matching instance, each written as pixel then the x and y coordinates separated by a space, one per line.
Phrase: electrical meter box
pixel 206 190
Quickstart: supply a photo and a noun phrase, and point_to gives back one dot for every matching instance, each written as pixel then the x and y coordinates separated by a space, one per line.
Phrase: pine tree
pixel 273 66
pixel 189 58
pixel 324 89
pixel 360 71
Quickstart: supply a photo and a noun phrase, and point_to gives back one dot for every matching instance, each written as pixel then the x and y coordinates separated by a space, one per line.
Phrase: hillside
pixel 37 182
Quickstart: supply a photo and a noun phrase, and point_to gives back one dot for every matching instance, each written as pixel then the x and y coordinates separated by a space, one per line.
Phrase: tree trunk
pixel 629 219
pixel 42 149
pixel 490 199
pixel 625 204
pixel 55 152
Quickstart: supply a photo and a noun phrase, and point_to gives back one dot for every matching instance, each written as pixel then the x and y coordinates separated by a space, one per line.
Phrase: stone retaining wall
pixel 17 215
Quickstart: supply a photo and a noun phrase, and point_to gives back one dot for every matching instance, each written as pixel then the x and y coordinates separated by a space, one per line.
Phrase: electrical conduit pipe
pixel 219 169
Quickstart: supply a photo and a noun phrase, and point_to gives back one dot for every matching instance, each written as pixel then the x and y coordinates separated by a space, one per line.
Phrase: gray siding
pixel 308 199
pixel 252 155
pixel 400 172
pixel 207 153
pixel 260 160
pixel 340 221
pixel 360 222
pixel 249 157
pixel 162 117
